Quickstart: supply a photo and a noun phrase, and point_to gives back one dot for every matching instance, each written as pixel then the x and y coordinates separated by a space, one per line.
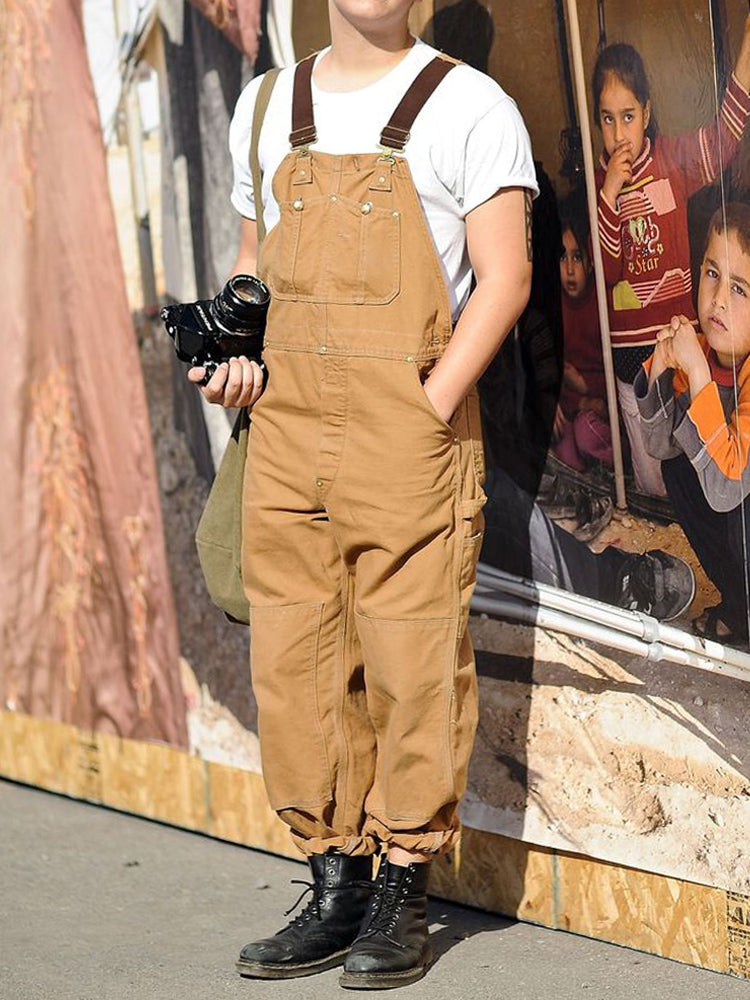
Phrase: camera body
pixel 230 325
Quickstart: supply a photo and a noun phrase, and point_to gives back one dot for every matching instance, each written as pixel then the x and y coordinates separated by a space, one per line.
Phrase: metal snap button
pixel 333 197
pixel 394 214
pixel 298 204
pixel 367 208
pixel 381 180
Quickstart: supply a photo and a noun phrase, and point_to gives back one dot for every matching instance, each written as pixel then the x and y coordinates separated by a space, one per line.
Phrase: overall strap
pixel 303 123
pixel 395 135
pixel 261 104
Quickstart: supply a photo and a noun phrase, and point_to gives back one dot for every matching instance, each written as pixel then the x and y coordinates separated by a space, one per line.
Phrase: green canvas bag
pixel 219 534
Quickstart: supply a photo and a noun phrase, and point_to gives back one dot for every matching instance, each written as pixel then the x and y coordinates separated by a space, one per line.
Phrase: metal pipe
pixel 655 652
pixel 601 288
pixel 634 623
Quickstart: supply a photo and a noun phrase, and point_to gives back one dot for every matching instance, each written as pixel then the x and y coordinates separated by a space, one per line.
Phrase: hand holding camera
pixel 222 339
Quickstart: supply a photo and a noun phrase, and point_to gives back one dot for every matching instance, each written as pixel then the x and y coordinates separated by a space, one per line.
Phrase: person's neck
pixel 359 58
pixel 730 362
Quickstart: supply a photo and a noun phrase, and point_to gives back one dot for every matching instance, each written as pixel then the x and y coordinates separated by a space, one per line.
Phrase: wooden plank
pixel 699 925
pixel 653 913
pixel 500 875
pixel 49 754
pixel 239 811
pixel 153 780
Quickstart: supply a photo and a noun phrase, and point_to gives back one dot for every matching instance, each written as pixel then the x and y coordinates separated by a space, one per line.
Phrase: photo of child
pixel 693 396
pixel 643 182
pixel 581 430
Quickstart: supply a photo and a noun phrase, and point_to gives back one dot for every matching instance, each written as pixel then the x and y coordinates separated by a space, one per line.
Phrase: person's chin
pixel 717 335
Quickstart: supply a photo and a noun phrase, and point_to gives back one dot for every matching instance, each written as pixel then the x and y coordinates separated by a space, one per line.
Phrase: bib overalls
pixel 362 507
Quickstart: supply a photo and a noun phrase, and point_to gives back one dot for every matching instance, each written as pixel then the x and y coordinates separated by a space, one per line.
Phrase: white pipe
pixel 601 288
pixel 634 623
pixel 656 652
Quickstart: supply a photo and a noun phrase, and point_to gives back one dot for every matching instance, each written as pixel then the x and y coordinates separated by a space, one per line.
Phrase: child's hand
pixel 664 353
pixel 619 171
pixel 663 356
pixel 685 346
pixel 237 383
pixel 573 379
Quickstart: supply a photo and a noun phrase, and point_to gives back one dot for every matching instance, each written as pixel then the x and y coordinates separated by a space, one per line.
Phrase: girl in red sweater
pixel 581 425
pixel 644 182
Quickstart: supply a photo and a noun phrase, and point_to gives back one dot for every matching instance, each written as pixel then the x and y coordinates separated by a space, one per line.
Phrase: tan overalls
pixel 362 507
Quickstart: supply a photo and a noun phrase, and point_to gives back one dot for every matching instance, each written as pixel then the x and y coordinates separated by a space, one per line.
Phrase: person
pixel 392 177
pixel 520 538
pixel 581 424
pixel 520 387
pixel 644 181
pixel 693 395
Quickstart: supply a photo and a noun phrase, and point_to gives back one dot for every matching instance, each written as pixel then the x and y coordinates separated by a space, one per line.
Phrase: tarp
pixel 86 615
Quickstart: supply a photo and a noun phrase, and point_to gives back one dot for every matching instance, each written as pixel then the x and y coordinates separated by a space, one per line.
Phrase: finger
pixel 214 388
pixel 196 374
pixel 233 388
pixel 248 382
pixel 258 379
pixel 675 323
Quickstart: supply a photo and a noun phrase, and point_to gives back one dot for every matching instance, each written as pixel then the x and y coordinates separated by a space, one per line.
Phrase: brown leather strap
pixel 395 135
pixel 303 124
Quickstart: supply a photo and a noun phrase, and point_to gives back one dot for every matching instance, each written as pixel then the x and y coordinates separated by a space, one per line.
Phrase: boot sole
pixel 259 970
pixel 385 980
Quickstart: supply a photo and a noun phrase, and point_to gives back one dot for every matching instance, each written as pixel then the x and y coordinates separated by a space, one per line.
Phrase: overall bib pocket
pixel 331 249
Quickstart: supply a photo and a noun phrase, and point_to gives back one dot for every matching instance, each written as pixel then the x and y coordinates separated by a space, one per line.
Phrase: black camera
pixel 230 325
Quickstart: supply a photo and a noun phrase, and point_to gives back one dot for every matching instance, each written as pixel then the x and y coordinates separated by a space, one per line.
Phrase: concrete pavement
pixel 97 905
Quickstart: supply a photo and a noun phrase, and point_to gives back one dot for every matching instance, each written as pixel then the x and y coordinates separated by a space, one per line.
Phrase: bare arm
pixel 498 234
pixel 239 383
pixel 247 254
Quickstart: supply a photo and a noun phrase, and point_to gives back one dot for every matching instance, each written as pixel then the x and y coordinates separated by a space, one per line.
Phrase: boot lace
pixel 312 909
pixel 386 907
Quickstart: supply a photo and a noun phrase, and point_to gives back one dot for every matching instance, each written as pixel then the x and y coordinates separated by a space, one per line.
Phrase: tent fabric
pixel 86 615
pixel 238 20
pixel 200 79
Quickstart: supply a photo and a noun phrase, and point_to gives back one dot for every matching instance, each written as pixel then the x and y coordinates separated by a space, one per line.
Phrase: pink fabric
pixel 586 436
pixel 583 347
pixel 239 20
pixel 86 615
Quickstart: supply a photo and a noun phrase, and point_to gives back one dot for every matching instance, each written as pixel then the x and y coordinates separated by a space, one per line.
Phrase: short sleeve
pixel 240 127
pixel 498 155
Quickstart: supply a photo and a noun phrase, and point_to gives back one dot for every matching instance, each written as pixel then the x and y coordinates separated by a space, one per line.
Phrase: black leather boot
pixel 393 947
pixel 321 935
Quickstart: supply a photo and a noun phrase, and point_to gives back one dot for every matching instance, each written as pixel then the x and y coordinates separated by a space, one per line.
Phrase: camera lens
pixel 249 289
pixel 241 305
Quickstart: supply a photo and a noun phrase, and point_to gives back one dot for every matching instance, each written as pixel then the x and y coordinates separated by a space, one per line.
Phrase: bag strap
pixel 261 104
pixel 396 133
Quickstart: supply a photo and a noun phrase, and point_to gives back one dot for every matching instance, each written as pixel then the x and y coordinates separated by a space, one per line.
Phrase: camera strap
pixel 261 104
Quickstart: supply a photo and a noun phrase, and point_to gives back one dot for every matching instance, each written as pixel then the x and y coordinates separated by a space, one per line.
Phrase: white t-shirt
pixel 467 142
